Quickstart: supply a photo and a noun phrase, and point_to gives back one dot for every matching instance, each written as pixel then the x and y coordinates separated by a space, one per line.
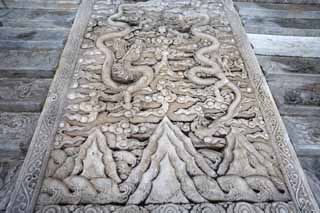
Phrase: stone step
pixel 296 95
pixel 282 26
pixel 16 131
pixel 284 22
pixel 287 11
pixel 41 4
pixel 40 63
pixel 23 95
pixel 36 18
pixel 9 171
pixel 26 38
pixel 276 45
pixel 287 66
pixel 304 133
pixel 278 30
pixel 280 19
pixel 311 2
pixel 312 171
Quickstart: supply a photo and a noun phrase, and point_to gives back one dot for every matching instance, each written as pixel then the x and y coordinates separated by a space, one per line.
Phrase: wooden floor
pixel 286 39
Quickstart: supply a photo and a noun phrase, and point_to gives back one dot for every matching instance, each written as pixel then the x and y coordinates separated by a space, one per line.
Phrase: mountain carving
pixel 168 163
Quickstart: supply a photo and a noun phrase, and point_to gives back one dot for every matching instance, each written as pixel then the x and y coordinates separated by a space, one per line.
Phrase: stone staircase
pixel 286 38
pixel 32 37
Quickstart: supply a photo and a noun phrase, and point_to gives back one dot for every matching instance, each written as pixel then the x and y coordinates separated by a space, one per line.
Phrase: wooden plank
pixel 278 10
pixel 28 60
pixel 285 45
pixel 16 131
pixel 23 95
pixel 26 38
pixel 296 95
pixel 275 65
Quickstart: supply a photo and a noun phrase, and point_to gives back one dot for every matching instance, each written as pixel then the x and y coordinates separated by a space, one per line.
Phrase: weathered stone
pixel 42 4
pixel 312 170
pixel 284 11
pixel 164 108
pixel 23 95
pixel 16 131
pixel 36 18
pixel 296 95
pixel 260 28
pixel 303 130
pixel 305 135
pixel 9 171
pixel 28 60
pixel 283 1
pixel 268 24
pixel 289 66
pixel 26 38
pixel 285 45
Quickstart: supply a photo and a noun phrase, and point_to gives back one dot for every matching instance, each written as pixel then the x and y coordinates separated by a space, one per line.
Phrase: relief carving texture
pixel 162 117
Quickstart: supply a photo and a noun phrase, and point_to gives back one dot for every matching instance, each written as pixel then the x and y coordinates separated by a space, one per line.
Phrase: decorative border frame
pixel 25 194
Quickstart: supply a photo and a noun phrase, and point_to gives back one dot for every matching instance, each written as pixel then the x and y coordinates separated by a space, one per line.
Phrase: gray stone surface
pixel 9 171
pixel 289 66
pixel 296 95
pixel 23 95
pixel 28 60
pixel 285 11
pixel 35 38
pixel 284 23
pixel 36 15
pixel 285 45
pixel 36 18
pixel 304 133
pixel 312 170
pixel 41 4
pixel 16 131
pixel 311 2
pixel 303 130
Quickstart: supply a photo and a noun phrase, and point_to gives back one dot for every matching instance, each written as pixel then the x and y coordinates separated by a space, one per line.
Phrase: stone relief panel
pixel 161 116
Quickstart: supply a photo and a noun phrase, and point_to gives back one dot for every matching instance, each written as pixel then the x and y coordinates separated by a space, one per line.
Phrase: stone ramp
pixel 32 36
pixel 97 142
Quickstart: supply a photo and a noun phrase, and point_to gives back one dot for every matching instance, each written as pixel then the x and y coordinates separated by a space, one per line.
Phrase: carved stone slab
pixel 160 106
